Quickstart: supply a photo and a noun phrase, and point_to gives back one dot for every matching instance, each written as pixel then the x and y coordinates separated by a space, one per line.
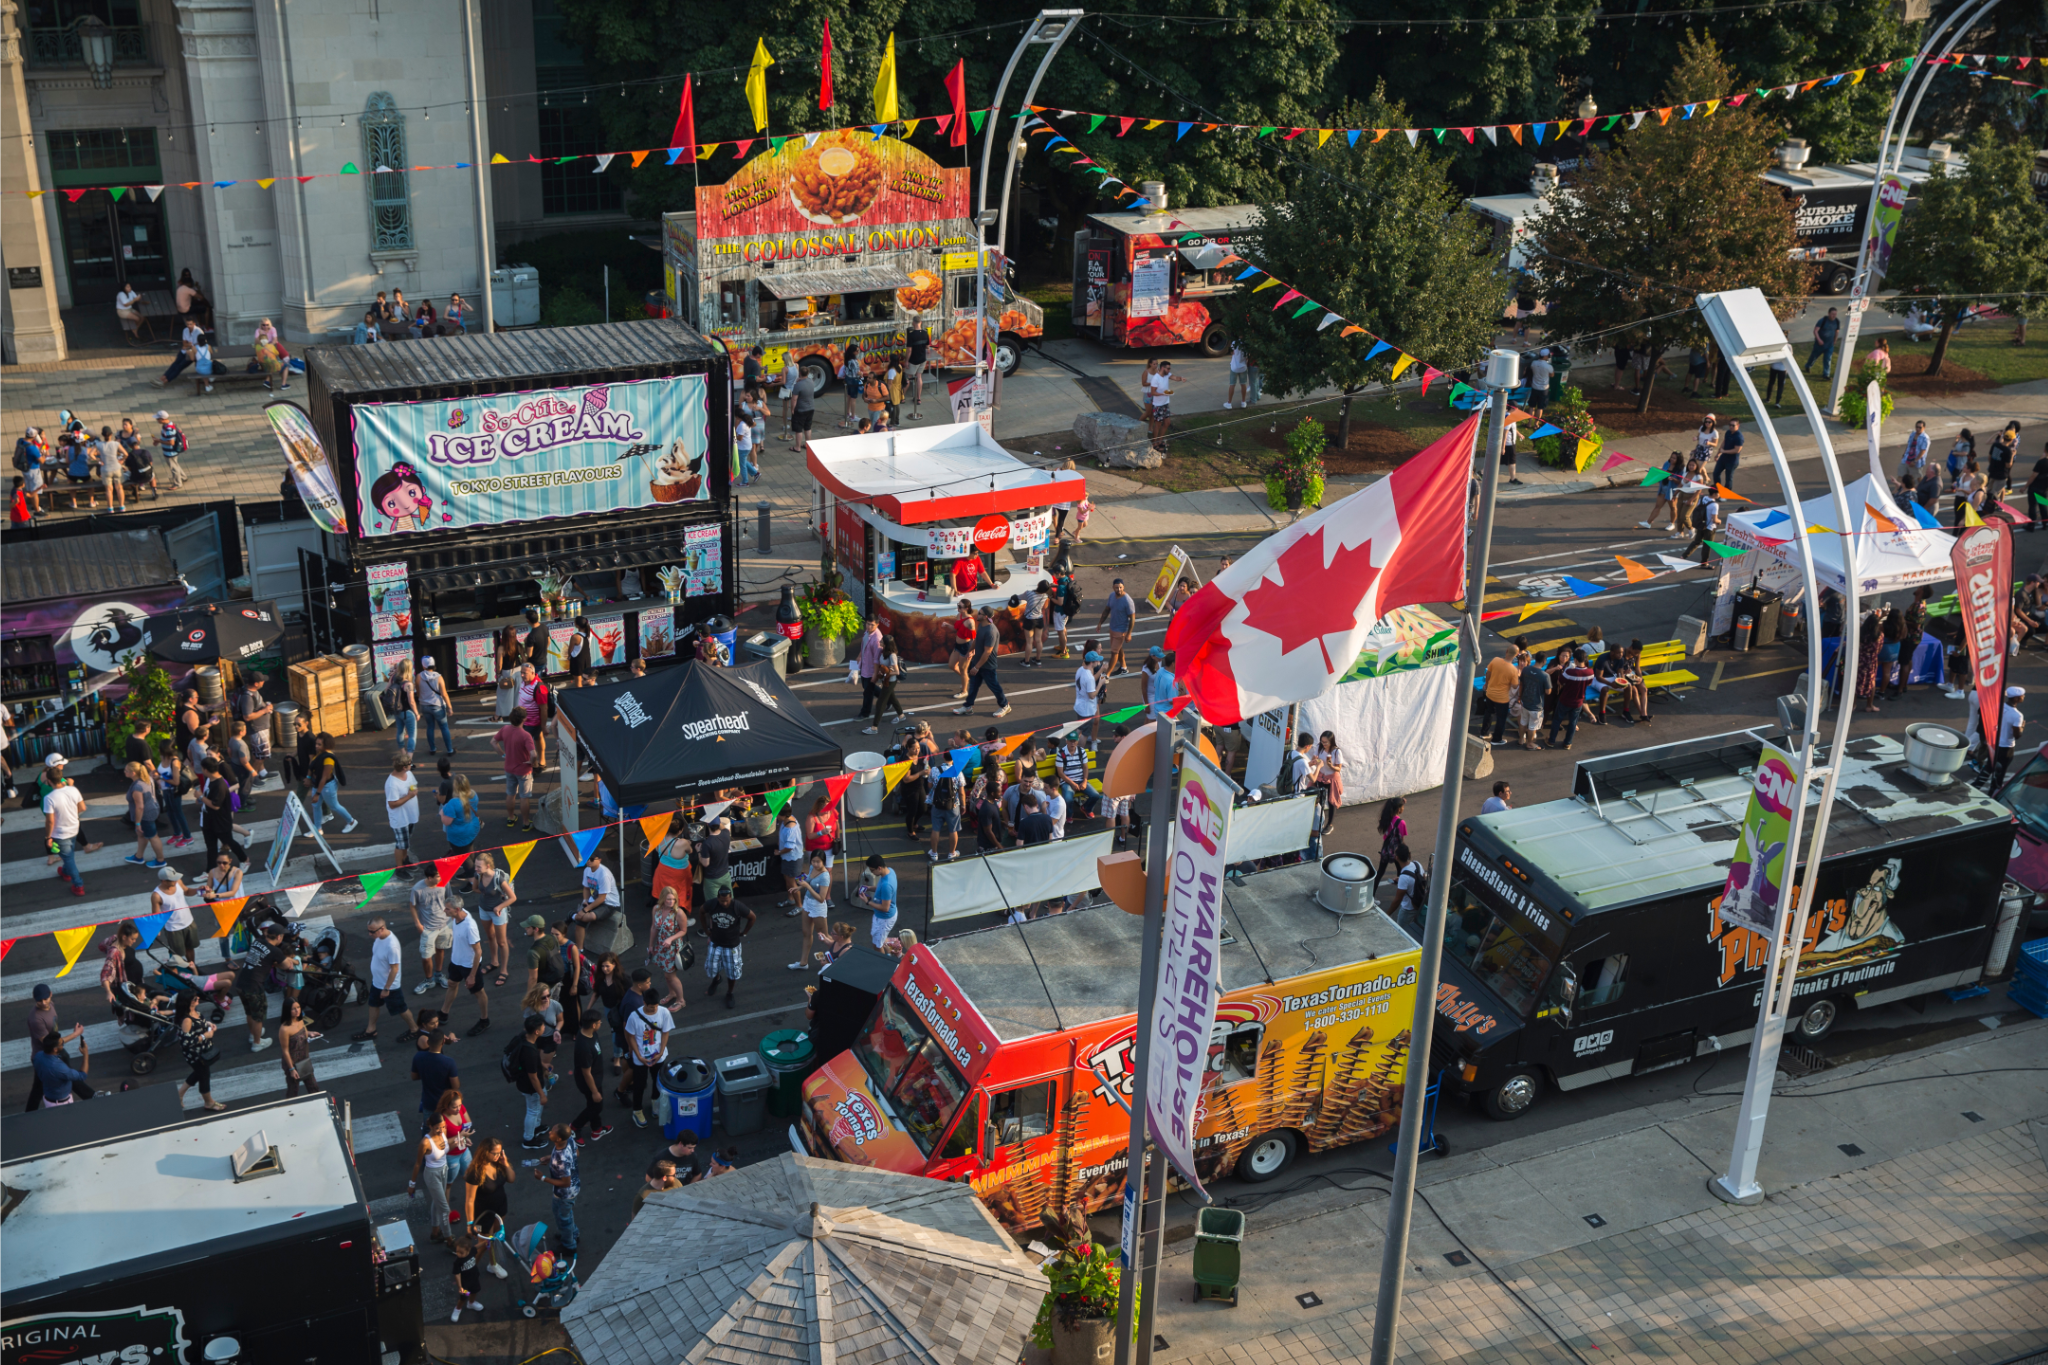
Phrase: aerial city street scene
pixel 1205 683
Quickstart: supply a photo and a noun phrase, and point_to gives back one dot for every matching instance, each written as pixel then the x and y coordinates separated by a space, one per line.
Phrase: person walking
pixel 485 1206
pixel 63 805
pixel 1705 517
pixel 1775 381
pixel 217 814
pixel 1825 333
pixel 647 1026
pixel 515 741
pixel 1571 692
pixel 529 1077
pixel 2011 725
pixel 888 669
pixel 195 1044
pixel 586 1065
pixel 1667 491
pixel 726 924
pixel 1502 679
pixel 1730 457
pixel 557 1170
pixel 1531 688
pixel 869 664
pixel 1240 383
pixel 982 667
pixel 402 804
pixel 386 990
pixel 432 695
pixel 295 1048
pixel 1120 614
pixel 1510 436
pixel 430 1167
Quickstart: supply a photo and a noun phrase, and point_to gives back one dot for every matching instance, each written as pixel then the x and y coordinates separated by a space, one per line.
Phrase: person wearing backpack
pixel 947 797
pixel 1704 518
pixel 170 443
pixel 1411 888
pixel 400 704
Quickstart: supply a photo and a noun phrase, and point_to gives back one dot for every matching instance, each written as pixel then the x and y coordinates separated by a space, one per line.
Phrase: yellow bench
pixel 1660 663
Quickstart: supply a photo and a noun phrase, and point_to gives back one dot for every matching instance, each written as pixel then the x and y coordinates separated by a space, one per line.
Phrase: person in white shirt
pixel 1055 806
pixel 128 308
pixel 1540 371
pixel 1498 801
pixel 387 990
pixel 743 446
pixel 600 896
pixel 465 939
pixel 178 936
pixel 1087 685
pixel 402 800
pixel 647 1030
pixel 437 934
pixel 790 375
pixel 1240 380
pixel 61 809
pixel 2011 725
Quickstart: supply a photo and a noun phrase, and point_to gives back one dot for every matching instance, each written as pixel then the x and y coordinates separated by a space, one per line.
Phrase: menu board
pixel 474 665
pixel 1151 287
pixel 559 636
pixel 657 632
pixel 703 561
pixel 608 641
pixel 385 657
pixel 390 625
pixel 390 589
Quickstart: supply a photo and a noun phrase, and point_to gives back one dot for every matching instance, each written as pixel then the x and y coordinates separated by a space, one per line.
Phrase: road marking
pixel 1560 554
pixel 1767 673
pixel 1075 634
pixel 247 1082
pixel 113 856
pixel 20 982
pixel 376 1132
pixel 21 821
pixel 104 1038
pixel 1715 685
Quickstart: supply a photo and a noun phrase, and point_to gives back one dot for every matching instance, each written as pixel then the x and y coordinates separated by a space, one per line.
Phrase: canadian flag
pixel 1284 622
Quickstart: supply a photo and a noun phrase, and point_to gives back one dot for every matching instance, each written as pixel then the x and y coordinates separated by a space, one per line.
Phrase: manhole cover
pixel 1457 1258
pixel 1594 1220
pixel 1309 1300
pixel 1851 1149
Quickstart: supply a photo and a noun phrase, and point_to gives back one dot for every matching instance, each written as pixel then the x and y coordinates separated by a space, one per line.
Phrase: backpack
pixel 945 792
pixel 177 443
pixel 1701 519
pixel 1419 897
pixel 22 456
pixel 551 972
pixel 1285 783
pixel 505 1057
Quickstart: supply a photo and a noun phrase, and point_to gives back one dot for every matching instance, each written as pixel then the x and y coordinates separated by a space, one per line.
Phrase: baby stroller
pixel 173 976
pixel 330 985
pixel 144 1026
pixel 550 1284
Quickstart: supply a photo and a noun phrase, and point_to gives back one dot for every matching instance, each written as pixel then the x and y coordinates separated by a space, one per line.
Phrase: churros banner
pixel 441 466
pixel 864 192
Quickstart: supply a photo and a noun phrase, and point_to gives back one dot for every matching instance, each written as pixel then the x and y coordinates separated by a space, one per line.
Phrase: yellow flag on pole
pixel 71 942
pixel 885 84
pixel 757 85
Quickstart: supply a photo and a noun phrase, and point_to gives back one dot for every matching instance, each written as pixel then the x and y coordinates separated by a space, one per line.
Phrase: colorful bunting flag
pixel 71 942
pixel 225 913
pixel 446 868
pixel 149 926
pixel 1581 588
pixel 1637 572
pixel 777 800
pixel 373 882
pixel 586 842
pixel 1653 478
pixel 516 855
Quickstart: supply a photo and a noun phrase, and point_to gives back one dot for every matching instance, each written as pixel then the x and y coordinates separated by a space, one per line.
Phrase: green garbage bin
pixel 787 1053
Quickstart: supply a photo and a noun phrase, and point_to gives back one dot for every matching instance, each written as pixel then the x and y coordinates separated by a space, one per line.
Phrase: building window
pixel 390 188
pixel 570 187
pixel 90 156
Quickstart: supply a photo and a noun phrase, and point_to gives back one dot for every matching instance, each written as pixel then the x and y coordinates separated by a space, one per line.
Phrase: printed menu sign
pixel 473 661
pixel 703 561
pixel 657 632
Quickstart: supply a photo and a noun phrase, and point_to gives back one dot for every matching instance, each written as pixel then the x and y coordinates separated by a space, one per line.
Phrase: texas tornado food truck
pixel 1004 1057
pixel 1586 937
pixel 841 240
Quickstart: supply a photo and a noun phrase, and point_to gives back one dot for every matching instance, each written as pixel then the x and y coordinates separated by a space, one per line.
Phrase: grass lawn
pixel 1984 347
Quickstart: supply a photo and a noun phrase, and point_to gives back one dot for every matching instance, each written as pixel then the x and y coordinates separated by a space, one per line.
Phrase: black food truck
pixel 1585 940
pixel 137 1234
pixel 573 470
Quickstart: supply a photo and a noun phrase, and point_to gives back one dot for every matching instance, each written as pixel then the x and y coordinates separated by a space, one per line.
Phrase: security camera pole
pixel 1503 372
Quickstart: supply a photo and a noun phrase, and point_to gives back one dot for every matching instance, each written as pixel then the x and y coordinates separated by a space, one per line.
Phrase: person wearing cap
pixel 402 800
pixel 433 699
pixel 62 807
pixel 178 935
pixel 1088 692
pixel 1540 371
pixel 2011 725
pixel 538 950
pixel 42 1016
pixel 1164 687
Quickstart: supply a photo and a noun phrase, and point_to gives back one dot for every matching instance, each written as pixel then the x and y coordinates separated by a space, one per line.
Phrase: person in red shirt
pixel 963 644
pixel 821 829
pixel 1571 691
pixel 515 741
pixel 967 573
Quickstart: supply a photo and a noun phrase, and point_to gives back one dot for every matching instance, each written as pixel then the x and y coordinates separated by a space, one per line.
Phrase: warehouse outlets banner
pixel 567 452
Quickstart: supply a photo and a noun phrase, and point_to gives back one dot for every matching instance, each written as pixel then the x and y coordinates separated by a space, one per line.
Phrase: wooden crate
pixel 337 720
pixel 320 683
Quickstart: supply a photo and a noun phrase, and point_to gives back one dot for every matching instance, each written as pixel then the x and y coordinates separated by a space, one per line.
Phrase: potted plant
pixel 1079 1310
pixel 149 699
pixel 1577 441
pixel 1855 404
pixel 1296 480
pixel 830 619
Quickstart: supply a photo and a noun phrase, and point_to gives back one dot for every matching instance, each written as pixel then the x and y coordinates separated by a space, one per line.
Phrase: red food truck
pixel 1144 277
pixel 1004 1057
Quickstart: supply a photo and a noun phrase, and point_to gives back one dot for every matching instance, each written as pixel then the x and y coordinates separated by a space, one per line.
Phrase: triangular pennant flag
pixel 638 157
pixel 704 152
pixel 154 190
pixel 1689 108
pixel 1468 134
pixel 225 184
pixel 1653 478
pixel 1438 133
pixel 1328 318
pixel 1492 135
pixel 1403 363
pixel 1515 132
pixel 1724 551
pixel 1323 135
pixel 516 855
pixel 1119 717
pixel 118 190
pixel 1735 101
pixel 266 184
pixel 349 168
pixel 447 867
pixel 1636 119
pixel 1293 133
pixel 892 774
pixel 910 126
pixel 149 926
pixel 1727 494
pixel 975 117
pixel 1429 372
pixel 945 121
pixel 958 759
pixel 1545 430
pixel 1379 133
pixel 1677 565
pixel 500 159
pixel 778 799
pixel 1377 346
pixel 586 842
pixel 675 154
pixel 1263 131
pixel 382 169
pixel 1012 744
pixel 1486 616
pixel 1536 129
pixel 1636 572
pixel 1123 125
pixel 297 898
pixel 810 140
pixel 1712 105
pixel 225 913
pixel 835 787
pixel 1152 123
pixel 604 159
pixel 1581 588
pixel 1308 307
pixel 1884 523
pixel 1352 329
pixel 654 828
pixel 1094 121
pixel 74 195
pixel 1923 516
pixel 373 882
pixel 739 149
pixel 1614 458
pixel 1269 283
pixel 713 809
pixel 1532 608
pixel 1183 131
pixel 1351 136
pixel 1412 133
pixel 71 942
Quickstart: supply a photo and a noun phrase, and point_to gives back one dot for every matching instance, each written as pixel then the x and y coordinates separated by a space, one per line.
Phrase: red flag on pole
pixel 1982 559
pixel 956 90
pixel 825 71
pixel 685 134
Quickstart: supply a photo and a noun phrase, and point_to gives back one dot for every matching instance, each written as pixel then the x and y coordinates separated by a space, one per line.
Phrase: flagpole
pixel 1502 370
pixel 1149 1185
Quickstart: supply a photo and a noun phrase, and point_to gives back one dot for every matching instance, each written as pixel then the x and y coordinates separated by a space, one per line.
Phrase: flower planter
pixel 1086 1342
pixel 825 650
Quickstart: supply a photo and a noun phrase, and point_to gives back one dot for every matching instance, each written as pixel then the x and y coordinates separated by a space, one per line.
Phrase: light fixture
pixel 96 45
pixel 1588 110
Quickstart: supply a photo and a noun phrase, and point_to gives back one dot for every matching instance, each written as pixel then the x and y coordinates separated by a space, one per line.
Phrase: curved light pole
pixel 1052 28
pixel 1748 334
pixel 1890 156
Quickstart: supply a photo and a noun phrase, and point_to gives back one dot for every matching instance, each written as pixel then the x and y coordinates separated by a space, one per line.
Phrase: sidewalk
pixel 1906 1219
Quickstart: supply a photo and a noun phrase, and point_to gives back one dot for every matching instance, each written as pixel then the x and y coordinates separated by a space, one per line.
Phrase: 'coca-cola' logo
pixel 991 533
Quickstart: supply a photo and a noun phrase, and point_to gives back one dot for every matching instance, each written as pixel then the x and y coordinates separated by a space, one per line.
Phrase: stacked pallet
pixel 325 690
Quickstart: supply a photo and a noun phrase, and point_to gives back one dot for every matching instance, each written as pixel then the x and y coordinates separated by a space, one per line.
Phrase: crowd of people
pixel 114 464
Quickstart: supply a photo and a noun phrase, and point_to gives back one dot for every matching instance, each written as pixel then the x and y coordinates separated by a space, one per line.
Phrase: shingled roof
pixel 803 1260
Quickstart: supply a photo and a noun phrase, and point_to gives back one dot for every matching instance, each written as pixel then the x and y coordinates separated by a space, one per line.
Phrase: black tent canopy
pixel 693 729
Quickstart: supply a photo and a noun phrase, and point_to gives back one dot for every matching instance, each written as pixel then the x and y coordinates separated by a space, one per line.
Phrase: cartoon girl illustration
pixel 401 496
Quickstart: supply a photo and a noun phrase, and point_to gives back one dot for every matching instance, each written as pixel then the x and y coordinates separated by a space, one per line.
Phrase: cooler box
pixel 683 1099
pixel 743 1086
pixel 788 1054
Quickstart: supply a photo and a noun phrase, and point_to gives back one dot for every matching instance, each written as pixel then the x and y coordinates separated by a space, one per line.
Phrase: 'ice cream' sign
pixel 452 465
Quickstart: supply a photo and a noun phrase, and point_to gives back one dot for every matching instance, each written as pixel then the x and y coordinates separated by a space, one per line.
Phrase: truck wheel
pixel 1216 340
pixel 1835 280
pixel 1009 353
pixel 1817 1022
pixel 815 371
pixel 1267 1156
pixel 142 1063
pixel 1514 1096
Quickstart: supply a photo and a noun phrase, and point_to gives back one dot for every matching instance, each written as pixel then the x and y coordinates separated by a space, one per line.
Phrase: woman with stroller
pixel 195 1040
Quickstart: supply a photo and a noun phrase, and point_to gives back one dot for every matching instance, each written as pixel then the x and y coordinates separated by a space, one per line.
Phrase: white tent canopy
pixel 1886 560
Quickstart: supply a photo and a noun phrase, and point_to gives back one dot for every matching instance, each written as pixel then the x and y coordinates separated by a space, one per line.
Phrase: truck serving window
pixel 2027 794
pixel 911 1071
pixel 1507 962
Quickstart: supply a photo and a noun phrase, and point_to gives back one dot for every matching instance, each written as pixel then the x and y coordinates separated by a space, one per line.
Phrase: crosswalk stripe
pixel 22 821
pixel 18 985
pixel 104 1038
pixel 260 1078
pixel 122 843
pixel 378 1131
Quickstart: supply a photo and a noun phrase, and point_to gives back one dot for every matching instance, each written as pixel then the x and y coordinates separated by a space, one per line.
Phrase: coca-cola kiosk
pixel 920 520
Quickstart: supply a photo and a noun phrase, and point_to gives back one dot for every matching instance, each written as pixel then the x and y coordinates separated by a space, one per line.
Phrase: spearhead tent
pixel 693 729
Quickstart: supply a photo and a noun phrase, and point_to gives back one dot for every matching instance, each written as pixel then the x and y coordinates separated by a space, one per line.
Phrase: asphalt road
pixel 1575 534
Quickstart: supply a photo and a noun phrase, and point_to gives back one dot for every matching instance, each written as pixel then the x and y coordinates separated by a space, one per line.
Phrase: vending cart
pixel 1144 277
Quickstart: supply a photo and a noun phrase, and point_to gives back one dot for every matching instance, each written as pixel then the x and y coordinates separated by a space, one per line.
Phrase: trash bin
pixel 721 629
pixel 743 1086
pixel 762 645
pixel 1219 1238
pixel 787 1053
pixel 683 1098
pixel 864 794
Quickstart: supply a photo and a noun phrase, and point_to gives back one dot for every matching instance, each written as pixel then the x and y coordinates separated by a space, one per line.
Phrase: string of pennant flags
pixel 1551 129
pixel 73 942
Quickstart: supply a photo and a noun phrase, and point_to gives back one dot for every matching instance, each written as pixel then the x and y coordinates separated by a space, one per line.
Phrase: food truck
pixel 571 470
pixel 1585 938
pixel 2026 793
pixel 140 1235
pixel 1144 277
pixel 1004 1057
pixel 840 239
pixel 919 519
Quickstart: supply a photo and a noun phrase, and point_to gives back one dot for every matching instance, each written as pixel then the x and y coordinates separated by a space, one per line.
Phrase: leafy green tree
pixel 1676 210
pixel 1377 234
pixel 1973 238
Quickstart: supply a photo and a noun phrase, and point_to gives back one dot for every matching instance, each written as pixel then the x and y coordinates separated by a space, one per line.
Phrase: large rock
pixel 1116 441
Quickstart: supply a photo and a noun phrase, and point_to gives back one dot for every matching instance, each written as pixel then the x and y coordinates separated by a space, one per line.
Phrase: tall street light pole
pixel 1051 29
pixel 472 35
pixel 1503 372
pixel 1748 334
